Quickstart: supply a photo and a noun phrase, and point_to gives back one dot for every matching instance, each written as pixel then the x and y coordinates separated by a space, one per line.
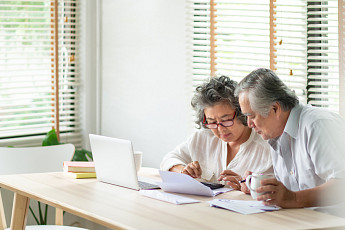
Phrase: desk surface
pixel 116 207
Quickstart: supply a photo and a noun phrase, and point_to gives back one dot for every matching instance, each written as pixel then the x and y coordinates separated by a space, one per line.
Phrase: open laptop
pixel 114 162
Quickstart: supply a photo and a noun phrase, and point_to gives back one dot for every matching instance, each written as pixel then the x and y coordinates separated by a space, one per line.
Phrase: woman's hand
pixel 193 169
pixel 231 178
pixel 244 187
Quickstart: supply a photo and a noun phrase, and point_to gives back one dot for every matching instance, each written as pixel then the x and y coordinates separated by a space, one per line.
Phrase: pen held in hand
pixel 242 181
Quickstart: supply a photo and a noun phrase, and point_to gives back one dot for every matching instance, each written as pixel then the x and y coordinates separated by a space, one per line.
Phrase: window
pixel 298 39
pixel 39 73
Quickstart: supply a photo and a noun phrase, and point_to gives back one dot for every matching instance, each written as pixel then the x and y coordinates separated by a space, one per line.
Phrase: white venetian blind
pixel 242 37
pixel 290 45
pixel 323 57
pixel 28 71
pixel 242 41
pixel 341 26
pixel 234 38
pixel 199 13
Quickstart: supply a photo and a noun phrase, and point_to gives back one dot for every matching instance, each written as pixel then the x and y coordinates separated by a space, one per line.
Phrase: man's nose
pixel 250 123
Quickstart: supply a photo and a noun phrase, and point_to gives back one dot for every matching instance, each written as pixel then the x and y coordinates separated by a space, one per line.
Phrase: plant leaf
pixel 80 155
pixel 46 214
pixel 33 214
pixel 89 154
pixel 50 139
pixel 40 212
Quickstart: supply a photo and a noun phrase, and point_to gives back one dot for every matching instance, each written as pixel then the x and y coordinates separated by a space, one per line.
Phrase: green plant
pixel 79 155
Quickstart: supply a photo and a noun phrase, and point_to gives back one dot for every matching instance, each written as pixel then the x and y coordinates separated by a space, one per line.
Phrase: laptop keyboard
pixel 145 185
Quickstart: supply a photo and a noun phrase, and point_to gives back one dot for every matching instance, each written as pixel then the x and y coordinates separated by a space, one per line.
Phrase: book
pixel 79 166
pixel 79 175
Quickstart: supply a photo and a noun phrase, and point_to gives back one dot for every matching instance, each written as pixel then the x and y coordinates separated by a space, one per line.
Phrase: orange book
pixel 79 166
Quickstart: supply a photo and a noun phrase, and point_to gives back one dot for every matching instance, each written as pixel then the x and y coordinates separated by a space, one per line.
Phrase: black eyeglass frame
pixel 215 125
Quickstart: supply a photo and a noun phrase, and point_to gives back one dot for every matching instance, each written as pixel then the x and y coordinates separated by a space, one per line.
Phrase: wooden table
pixel 120 208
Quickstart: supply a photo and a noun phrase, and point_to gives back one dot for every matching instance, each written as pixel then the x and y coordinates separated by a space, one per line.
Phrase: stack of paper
pixel 242 206
pixel 79 169
pixel 182 183
pixel 168 197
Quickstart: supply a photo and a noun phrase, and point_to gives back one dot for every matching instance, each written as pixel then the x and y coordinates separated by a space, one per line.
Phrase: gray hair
pixel 212 92
pixel 264 88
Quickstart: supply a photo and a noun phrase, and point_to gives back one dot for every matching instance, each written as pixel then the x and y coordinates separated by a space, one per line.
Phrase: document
pixel 242 206
pixel 182 183
pixel 168 197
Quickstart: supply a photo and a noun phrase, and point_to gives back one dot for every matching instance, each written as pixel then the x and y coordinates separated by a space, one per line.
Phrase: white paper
pixel 242 206
pixel 171 198
pixel 182 183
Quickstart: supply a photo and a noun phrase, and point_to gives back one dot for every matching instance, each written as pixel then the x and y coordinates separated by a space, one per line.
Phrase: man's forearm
pixel 329 193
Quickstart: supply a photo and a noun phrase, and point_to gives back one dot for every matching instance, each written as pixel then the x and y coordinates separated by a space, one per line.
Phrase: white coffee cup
pixel 253 182
pixel 138 159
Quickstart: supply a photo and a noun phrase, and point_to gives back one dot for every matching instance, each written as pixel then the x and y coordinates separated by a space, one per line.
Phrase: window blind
pixel 28 61
pixel 298 39
pixel 290 40
pixel 323 62
pixel 341 29
pixel 242 39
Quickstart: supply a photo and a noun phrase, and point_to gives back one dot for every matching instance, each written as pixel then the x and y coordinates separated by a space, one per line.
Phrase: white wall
pixel 143 85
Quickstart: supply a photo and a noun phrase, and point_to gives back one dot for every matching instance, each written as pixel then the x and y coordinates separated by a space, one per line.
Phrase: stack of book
pixel 79 169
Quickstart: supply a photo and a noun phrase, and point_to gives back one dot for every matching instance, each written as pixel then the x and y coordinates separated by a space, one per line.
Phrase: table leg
pixel 2 215
pixel 58 216
pixel 19 212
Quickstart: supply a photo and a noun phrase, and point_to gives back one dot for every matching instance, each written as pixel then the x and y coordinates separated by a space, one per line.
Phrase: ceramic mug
pixel 138 155
pixel 253 182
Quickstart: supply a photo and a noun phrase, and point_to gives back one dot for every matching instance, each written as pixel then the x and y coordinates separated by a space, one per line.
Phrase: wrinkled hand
pixel 231 178
pixel 276 194
pixel 192 169
pixel 244 187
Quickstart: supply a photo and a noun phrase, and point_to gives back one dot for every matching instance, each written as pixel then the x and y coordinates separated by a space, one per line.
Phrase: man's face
pixel 265 126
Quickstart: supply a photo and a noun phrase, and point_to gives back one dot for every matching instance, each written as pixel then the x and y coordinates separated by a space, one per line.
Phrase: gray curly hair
pixel 212 92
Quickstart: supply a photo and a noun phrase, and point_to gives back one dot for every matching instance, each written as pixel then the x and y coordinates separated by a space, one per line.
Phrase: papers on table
pixel 242 206
pixel 171 198
pixel 182 183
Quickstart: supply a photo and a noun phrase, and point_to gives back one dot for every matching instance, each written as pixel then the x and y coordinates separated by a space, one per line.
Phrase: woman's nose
pixel 220 127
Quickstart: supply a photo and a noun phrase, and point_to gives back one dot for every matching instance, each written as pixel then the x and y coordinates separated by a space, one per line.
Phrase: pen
pixel 242 181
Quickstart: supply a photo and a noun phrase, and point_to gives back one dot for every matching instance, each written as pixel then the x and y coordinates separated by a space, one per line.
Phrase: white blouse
pixel 211 153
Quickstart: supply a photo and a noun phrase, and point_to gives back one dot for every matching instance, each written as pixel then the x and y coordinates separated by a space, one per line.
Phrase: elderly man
pixel 307 143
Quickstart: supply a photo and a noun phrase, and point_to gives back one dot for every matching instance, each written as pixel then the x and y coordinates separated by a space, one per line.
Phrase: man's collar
pixel 291 127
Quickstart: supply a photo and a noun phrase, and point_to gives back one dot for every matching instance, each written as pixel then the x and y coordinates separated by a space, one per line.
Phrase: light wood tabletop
pixel 121 208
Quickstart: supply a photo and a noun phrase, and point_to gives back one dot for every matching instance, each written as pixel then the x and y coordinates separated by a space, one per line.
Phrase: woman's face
pixel 222 112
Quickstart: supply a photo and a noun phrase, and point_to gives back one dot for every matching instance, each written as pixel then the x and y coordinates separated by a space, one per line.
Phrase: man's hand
pixel 275 193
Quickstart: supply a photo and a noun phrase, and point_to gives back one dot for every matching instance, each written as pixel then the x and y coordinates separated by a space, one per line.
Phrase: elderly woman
pixel 224 148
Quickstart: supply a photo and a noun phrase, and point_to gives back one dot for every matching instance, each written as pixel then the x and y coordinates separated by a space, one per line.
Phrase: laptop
pixel 114 162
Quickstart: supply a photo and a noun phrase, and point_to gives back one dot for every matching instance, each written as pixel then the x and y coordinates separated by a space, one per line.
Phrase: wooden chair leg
pixel 2 215
pixel 19 211
pixel 58 216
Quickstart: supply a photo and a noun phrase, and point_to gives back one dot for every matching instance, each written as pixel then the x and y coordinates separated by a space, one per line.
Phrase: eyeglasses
pixel 227 123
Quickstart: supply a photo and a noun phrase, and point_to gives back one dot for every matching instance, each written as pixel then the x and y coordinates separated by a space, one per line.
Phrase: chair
pixel 35 160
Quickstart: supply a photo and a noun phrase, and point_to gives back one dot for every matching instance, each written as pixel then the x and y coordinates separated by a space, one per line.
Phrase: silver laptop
pixel 114 162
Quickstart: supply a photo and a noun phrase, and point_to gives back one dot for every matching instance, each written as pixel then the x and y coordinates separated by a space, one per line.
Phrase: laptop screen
pixel 114 161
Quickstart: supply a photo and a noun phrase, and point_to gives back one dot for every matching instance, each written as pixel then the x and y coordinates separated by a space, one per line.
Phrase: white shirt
pixel 211 153
pixel 311 149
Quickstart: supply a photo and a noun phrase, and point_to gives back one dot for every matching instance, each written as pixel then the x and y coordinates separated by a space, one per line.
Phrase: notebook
pixel 114 162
